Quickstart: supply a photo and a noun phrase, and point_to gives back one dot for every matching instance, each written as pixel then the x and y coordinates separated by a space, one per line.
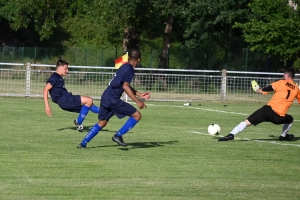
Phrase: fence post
pixel 28 69
pixel 223 87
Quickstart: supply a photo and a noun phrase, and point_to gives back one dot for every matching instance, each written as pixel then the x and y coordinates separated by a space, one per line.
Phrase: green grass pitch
pixel 169 155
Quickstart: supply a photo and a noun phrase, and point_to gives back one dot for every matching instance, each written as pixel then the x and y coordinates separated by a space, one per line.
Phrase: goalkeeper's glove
pixel 255 86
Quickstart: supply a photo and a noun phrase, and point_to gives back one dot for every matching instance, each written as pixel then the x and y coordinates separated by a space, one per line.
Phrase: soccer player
pixel 276 109
pixel 55 85
pixel 111 104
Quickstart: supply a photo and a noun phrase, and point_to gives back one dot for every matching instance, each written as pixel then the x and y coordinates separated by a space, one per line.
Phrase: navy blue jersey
pixel 58 87
pixel 112 94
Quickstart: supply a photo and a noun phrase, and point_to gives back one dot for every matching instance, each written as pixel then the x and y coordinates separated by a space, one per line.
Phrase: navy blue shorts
pixel 122 110
pixel 266 114
pixel 71 103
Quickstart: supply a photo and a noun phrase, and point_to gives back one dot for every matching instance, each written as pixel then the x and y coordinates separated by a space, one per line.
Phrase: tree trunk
pixel 131 39
pixel 164 56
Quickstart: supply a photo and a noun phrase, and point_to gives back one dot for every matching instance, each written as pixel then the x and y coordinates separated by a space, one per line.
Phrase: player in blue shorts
pixel 112 104
pixel 55 85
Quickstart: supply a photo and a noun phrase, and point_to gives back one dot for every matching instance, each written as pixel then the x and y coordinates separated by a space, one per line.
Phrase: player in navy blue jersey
pixel 55 85
pixel 112 104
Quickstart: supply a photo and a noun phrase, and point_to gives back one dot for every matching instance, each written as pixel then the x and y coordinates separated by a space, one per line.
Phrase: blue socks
pixel 94 109
pixel 83 112
pixel 129 124
pixel 92 133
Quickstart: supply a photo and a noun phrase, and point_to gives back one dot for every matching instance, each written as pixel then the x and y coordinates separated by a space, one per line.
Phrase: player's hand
pixel 255 85
pixel 48 112
pixel 141 104
pixel 145 95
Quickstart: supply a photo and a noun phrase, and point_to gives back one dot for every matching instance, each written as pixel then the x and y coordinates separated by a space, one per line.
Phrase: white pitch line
pixel 212 110
pixel 295 145
pixel 221 111
pixel 246 139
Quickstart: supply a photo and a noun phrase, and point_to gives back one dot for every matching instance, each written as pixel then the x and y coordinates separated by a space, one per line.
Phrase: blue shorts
pixel 122 110
pixel 71 103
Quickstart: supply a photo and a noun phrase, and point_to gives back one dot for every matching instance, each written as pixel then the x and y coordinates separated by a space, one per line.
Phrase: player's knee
pixel 247 123
pixel 140 117
pixel 88 101
pixel 137 116
pixel 102 123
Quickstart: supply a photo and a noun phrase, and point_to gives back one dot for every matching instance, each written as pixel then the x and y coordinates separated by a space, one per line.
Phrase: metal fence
pixel 28 80
pixel 239 59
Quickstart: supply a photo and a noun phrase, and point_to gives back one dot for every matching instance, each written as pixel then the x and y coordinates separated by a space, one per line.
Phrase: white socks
pixel 285 129
pixel 239 128
pixel 243 125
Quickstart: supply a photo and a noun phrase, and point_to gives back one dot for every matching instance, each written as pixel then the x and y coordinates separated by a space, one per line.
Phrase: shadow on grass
pixel 235 139
pixel 276 139
pixel 136 145
pixel 272 138
pixel 150 144
pixel 84 130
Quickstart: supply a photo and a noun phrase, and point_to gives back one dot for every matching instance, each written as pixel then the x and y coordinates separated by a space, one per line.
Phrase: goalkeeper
pixel 276 109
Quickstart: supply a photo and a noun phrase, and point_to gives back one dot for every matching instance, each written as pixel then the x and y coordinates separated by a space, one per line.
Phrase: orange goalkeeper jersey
pixel 285 93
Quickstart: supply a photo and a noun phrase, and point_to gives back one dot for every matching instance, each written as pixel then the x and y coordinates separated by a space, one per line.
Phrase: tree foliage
pixel 214 19
pixel 273 27
pixel 198 25
pixel 44 16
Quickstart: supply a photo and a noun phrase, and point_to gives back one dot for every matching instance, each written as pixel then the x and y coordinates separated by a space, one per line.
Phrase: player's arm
pixel 144 95
pixel 265 90
pixel 298 96
pixel 132 94
pixel 45 95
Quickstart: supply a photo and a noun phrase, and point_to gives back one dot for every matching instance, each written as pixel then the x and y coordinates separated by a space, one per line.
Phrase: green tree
pixel 84 23
pixel 214 19
pixel 273 27
pixel 44 16
pixel 209 28
pixel 150 18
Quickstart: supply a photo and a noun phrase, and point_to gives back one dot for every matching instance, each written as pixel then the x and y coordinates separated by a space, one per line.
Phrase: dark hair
pixel 134 54
pixel 290 72
pixel 61 63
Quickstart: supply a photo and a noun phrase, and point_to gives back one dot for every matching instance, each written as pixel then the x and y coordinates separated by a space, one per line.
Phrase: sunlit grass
pixel 169 155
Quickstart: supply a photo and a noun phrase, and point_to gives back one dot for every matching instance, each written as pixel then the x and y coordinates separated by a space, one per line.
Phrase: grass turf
pixel 169 155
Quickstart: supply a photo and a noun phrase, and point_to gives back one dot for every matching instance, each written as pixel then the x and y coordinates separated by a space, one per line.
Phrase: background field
pixel 169 155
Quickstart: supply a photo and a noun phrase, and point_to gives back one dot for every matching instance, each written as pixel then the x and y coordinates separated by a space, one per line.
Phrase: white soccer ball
pixel 214 129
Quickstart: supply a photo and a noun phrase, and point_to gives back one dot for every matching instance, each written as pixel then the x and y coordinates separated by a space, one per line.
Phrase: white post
pixel 223 87
pixel 28 69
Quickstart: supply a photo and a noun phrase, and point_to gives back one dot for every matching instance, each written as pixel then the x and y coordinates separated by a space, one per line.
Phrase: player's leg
pixel 95 109
pixel 129 124
pixel 92 133
pixel 257 117
pixel 287 124
pixel 88 101
pixel 240 127
pixel 87 105
pixel 103 117
pixel 72 103
pixel 135 117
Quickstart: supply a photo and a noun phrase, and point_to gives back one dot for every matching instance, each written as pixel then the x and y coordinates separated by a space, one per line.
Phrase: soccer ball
pixel 214 129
